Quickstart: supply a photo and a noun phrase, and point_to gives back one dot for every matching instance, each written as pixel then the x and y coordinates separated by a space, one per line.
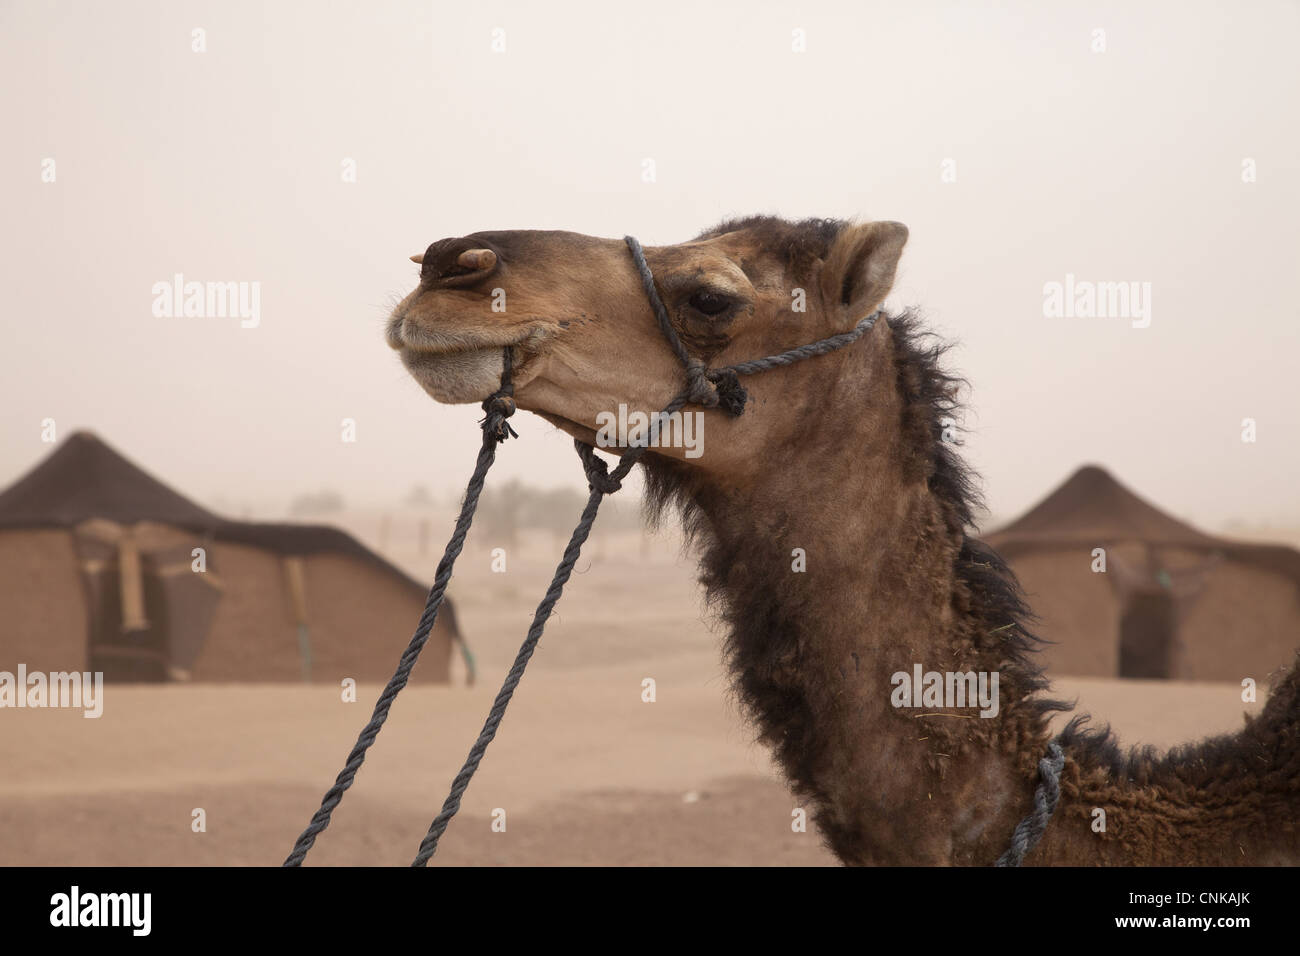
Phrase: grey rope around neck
pixel 1046 796
pixel 711 388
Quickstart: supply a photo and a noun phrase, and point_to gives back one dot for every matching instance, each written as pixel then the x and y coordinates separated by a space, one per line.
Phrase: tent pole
pixel 296 578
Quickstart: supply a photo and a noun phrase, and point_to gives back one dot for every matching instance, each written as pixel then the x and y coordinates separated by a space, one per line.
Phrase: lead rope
pixel 1046 796
pixel 497 407
pixel 711 388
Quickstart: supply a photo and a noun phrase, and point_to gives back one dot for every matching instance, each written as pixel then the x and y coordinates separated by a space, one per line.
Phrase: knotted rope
pixel 720 387
pixel 710 388
pixel 497 408
pixel 1046 795
pixel 500 405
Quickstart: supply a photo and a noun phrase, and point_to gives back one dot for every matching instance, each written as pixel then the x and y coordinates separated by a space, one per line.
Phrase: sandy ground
pixel 584 770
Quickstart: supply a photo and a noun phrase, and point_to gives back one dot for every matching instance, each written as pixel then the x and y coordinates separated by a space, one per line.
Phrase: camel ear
pixel 859 269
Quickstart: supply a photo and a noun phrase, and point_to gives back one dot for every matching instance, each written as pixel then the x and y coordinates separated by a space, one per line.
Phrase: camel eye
pixel 710 303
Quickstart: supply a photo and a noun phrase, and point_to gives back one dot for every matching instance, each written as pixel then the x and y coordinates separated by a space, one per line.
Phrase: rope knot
pixel 598 477
pixel 699 390
pixel 498 407
pixel 715 388
pixel 731 394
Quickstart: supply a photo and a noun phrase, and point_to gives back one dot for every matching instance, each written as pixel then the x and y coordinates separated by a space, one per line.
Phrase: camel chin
pixel 456 378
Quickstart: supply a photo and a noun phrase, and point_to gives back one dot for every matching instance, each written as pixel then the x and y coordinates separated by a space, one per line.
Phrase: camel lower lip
pixel 416 355
pixel 456 377
pixel 430 359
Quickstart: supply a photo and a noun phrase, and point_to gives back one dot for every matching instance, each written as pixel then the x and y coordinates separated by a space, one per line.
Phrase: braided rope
pixel 601 482
pixel 429 845
pixel 1046 796
pixel 812 350
pixel 720 387
pixel 656 303
pixel 498 407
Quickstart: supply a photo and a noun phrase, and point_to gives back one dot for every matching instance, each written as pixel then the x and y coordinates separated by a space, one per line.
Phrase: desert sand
pixel 585 771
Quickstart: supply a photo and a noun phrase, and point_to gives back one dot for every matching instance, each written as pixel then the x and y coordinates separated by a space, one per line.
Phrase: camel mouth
pixel 404 335
pixel 457 367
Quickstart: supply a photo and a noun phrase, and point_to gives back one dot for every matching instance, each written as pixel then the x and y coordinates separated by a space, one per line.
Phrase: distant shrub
pixel 316 503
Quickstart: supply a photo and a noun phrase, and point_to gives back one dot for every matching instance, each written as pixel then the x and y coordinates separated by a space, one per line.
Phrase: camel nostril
pixel 457 262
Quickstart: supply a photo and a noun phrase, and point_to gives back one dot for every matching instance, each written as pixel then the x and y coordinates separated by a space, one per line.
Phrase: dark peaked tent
pixel 99 571
pixel 1127 590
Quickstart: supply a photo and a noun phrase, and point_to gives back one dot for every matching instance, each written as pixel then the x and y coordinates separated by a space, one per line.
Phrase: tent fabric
pixel 1171 600
pixel 63 527
pixel 188 601
pixel 1091 507
pixel 84 478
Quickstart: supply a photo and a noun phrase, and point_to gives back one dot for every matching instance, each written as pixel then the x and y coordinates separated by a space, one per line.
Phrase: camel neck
pixel 837 569
pixel 839 563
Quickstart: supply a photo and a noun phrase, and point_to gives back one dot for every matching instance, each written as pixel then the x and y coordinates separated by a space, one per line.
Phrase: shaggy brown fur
pixel 1204 803
pixel 843 457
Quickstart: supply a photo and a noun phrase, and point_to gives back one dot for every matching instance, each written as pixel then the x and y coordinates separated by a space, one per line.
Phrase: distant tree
pixel 419 497
pixel 316 503
pixel 498 513
pixel 554 509
pixel 503 511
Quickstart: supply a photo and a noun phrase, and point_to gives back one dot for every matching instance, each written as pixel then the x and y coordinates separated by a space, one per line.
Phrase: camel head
pixel 584 333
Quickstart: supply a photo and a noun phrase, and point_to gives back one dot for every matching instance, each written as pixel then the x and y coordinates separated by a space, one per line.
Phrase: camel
pixel 844 456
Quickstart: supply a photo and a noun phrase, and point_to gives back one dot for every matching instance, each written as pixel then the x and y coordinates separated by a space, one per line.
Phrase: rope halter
pixel 707 387
pixel 720 387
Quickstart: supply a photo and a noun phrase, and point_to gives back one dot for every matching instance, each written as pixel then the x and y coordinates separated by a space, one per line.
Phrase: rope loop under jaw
pixel 500 405
pixel 598 476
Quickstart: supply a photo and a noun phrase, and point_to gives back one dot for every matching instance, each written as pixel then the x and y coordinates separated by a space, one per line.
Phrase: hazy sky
pixel 226 165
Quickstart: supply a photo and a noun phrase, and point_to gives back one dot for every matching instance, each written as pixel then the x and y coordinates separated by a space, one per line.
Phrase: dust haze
pixel 1016 154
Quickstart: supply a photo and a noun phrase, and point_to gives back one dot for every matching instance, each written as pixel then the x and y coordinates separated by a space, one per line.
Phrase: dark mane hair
pixel 997 600
pixel 986 590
